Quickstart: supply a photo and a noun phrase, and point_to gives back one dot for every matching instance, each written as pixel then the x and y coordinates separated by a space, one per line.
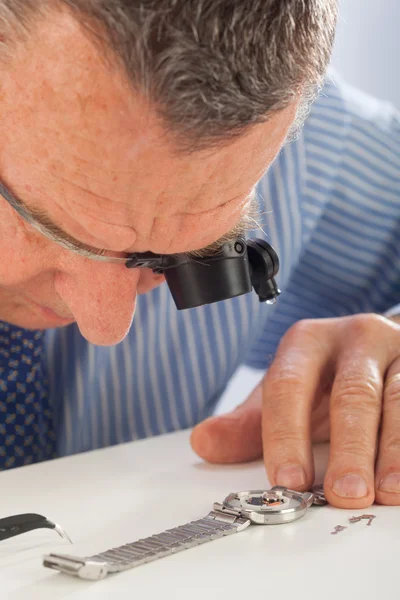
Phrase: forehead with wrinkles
pixel 81 145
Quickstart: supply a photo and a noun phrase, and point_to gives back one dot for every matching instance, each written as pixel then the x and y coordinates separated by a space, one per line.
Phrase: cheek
pixel 148 281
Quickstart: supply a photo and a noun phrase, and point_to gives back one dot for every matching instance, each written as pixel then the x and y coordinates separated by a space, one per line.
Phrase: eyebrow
pixel 42 223
pixel 38 219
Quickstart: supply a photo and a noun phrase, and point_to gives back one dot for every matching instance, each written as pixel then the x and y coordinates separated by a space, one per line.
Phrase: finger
pixel 388 465
pixel 231 438
pixel 289 391
pixel 355 414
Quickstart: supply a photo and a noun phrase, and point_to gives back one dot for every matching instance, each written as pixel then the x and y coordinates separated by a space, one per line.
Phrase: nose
pixel 100 296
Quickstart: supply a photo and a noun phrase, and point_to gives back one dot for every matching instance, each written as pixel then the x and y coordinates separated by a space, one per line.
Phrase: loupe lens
pixel 210 280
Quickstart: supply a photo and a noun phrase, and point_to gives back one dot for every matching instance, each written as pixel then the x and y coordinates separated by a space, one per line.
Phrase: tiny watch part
pixel 338 529
pixel 319 495
pixel 238 511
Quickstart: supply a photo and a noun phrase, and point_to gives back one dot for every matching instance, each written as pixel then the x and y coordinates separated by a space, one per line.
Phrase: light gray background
pixel 367 55
pixel 367 47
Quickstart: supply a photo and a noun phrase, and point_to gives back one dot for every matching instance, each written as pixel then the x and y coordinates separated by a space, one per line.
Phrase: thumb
pixel 234 437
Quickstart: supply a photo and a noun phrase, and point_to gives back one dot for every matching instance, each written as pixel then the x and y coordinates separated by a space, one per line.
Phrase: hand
pixel 331 379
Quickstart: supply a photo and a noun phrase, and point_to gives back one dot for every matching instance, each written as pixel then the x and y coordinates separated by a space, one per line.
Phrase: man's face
pixel 81 147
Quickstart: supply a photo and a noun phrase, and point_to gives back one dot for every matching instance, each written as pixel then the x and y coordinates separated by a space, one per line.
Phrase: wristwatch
pixel 238 510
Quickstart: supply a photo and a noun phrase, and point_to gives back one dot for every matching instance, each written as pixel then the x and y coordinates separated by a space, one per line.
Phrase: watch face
pixel 268 506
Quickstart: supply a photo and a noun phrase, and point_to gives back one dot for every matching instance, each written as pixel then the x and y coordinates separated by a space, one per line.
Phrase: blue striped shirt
pixel 331 205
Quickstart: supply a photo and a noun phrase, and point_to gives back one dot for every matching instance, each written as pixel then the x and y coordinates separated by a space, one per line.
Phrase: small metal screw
pixel 355 519
pixel 338 529
pixel 370 518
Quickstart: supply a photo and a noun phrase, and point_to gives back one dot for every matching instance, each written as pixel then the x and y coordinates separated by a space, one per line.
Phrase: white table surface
pixel 117 495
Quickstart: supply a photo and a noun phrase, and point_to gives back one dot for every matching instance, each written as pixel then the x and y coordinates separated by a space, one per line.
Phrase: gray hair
pixel 211 68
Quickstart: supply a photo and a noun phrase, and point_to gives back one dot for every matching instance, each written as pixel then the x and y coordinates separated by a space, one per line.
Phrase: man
pixel 164 126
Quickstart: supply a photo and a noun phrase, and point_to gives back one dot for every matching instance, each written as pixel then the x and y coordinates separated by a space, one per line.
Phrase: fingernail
pixel 350 486
pixel 390 483
pixel 291 476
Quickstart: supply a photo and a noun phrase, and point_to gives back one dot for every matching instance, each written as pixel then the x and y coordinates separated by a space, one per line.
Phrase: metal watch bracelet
pixel 211 527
